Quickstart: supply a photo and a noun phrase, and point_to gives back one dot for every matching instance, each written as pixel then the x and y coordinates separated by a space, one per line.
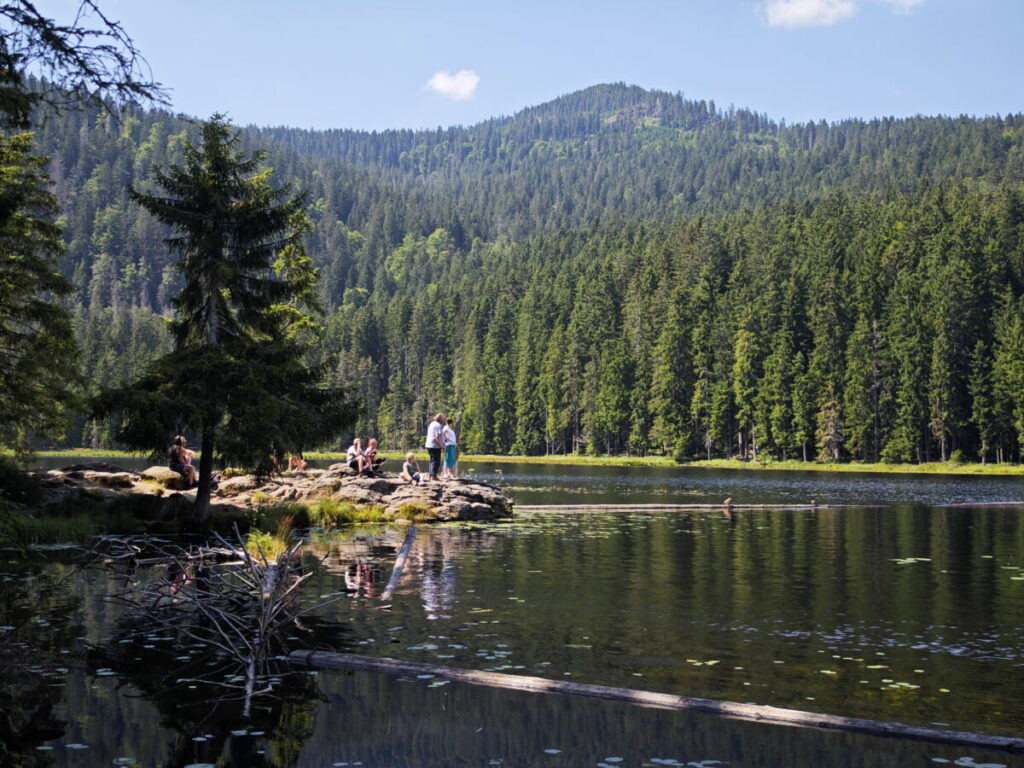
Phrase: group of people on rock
pixel 363 460
pixel 440 444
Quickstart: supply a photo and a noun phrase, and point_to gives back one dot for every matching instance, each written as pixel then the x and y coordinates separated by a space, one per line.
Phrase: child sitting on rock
pixel 410 469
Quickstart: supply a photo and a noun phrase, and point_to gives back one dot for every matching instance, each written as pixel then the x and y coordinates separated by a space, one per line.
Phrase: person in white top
pixel 435 444
pixel 354 457
pixel 449 449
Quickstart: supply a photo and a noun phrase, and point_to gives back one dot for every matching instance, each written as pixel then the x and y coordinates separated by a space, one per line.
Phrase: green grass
pixel 326 513
pixel 943 468
pixel 329 513
pixel 932 468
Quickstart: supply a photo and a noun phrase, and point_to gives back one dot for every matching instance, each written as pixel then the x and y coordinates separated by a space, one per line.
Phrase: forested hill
pixel 617 270
pixel 625 151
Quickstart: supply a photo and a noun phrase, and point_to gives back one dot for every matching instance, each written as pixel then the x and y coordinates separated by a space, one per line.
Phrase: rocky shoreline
pixel 156 492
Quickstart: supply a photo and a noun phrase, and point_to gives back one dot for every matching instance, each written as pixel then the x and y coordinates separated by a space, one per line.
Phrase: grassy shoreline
pixel 933 468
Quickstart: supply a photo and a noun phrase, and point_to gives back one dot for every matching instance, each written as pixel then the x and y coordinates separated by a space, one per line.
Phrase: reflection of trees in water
pixel 400 721
pixel 38 608
pixel 197 710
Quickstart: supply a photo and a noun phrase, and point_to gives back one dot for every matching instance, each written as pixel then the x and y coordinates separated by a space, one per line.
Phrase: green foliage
pixel 16 485
pixel 416 512
pixel 38 354
pixel 330 513
pixel 12 527
pixel 752 289
pixel 237 374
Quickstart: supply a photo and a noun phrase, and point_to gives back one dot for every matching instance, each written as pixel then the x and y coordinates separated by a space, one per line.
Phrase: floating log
pixel 676 507
pixel 755 712
pixel 731 506
pixel 396 572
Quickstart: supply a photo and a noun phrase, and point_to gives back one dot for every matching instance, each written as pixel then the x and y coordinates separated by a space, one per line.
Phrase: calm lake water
pixel 566 484
pixel 907 612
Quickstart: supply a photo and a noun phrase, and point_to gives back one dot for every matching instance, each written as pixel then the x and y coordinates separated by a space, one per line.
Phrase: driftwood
pixel 396 572
pixel 237 603
pixel 754 712
pixel 730 506
pixel 676 507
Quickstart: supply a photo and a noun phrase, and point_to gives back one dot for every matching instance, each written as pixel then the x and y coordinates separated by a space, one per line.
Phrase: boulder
pixel 111 479
pixel 166 476
pixel 93 466
pixel 233 486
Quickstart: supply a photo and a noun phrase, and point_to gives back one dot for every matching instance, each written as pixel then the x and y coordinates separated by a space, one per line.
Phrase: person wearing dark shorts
pixel 435 444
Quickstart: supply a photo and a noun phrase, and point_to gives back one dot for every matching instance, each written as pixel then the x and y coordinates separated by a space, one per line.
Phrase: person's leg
pixel 435 462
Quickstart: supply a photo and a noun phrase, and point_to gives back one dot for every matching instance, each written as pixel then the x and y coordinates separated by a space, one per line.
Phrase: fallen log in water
pixel 674 507
pixel 396 572
pixel 730 506
pixel 755 712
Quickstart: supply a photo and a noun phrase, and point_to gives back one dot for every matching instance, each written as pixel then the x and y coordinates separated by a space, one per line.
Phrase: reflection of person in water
pixel 360 576
pixel 438 578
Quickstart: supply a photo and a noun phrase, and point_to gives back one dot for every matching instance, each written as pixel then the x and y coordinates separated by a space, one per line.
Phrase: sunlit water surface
pixel 902 612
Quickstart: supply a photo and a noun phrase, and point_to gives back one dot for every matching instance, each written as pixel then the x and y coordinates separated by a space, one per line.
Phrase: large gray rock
pixel 166 476
pixel 448 500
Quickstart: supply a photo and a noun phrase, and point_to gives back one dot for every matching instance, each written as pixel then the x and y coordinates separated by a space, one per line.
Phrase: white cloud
pixel 457 87
pixel 823 13
pixel 808 13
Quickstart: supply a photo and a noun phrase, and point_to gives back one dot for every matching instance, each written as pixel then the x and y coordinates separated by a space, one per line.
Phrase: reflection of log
pixel 756 712
pixel 396 572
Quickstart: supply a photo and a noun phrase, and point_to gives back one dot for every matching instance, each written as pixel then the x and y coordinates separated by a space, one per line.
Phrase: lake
pixel 895 609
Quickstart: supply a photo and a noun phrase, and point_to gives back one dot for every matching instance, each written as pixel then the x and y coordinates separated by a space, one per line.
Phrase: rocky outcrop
pixel 105 486
pixel 149 493
pixel 447 500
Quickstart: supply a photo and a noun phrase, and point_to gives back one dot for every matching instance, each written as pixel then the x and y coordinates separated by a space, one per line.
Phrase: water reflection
pixel 565 484
pixel 375 720
pixel 904 613
pixel 901 614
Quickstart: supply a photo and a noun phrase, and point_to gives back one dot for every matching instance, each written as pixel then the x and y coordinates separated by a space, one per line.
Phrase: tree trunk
pixel 201 509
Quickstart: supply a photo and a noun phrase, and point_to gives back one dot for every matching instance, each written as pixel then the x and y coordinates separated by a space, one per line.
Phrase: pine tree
pixel 242 323
pixel 39 373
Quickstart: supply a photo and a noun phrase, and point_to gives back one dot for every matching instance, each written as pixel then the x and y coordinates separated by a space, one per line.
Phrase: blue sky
pixel 377 64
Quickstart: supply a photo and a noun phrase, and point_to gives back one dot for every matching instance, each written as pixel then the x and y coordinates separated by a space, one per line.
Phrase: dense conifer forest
pixel 617 271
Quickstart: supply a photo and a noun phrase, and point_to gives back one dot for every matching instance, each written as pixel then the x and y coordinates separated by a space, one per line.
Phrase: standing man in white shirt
pixel 435 444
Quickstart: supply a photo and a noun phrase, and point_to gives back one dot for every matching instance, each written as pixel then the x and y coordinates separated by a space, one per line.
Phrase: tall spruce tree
pixel 242 325
pixel 39 374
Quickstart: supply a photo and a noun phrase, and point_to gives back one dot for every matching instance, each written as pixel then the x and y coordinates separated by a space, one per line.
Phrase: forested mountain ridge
pixel 625 151
pixel 618 270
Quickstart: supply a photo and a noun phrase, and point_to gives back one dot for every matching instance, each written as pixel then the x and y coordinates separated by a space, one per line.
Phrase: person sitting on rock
pixel 296 463
pixel 354 457
pixel 410 469
pixel 180 460
pixel 372 463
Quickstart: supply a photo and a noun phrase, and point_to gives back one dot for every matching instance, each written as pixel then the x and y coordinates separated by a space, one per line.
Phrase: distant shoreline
pixel 932 468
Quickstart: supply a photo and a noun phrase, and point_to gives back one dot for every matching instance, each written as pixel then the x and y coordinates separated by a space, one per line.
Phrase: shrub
pixel 12 528
pixel 957 457
pixel 265 547
pixel 269 517
pixel 17 485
